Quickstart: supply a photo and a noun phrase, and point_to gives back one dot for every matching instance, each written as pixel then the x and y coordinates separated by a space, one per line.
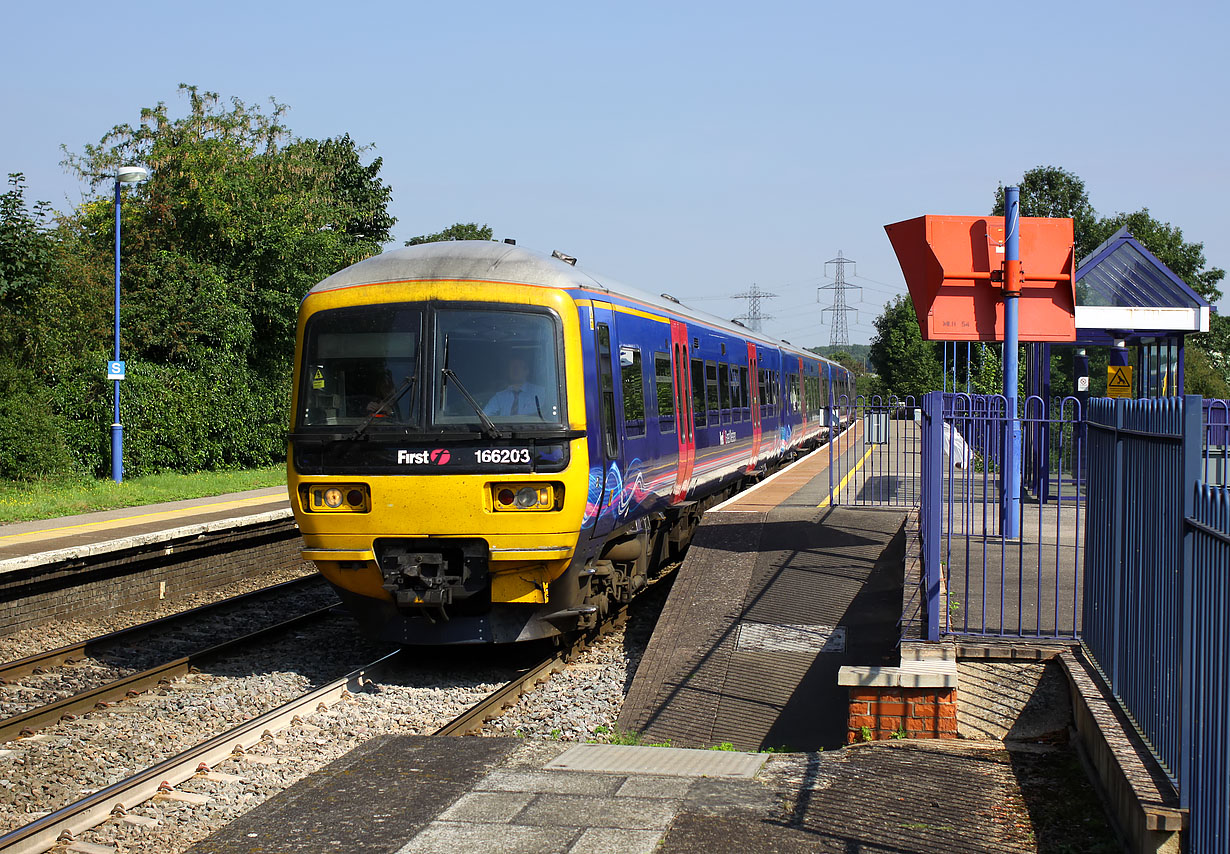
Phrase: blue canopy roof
pixel 1124 291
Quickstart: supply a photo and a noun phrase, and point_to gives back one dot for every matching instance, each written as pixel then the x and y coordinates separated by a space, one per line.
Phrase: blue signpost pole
pixel 1012 293
pixel 117 429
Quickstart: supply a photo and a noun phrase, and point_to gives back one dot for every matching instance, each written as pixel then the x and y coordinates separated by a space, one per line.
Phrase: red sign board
pixel 953 266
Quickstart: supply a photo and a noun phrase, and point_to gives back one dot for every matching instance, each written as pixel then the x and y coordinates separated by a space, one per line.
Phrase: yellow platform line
pixel 846 479
pixel 142 518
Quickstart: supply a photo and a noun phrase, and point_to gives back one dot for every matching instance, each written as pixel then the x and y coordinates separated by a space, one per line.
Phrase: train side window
pixel 764 390
pixel 698 393
pixel 606 380
pixel 711 387
pixel 633 381
pixel 665 392
pixel 743 390
pixel 723 377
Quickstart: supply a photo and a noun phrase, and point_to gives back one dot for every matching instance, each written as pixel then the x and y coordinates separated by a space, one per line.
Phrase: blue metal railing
pixel 1135 551
pixel 994 583
pixel 1205 766
pixel 1133 595
pixel 1157 591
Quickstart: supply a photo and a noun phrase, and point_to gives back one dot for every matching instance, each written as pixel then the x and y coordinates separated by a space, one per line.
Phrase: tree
pixel 237 221
pixel 1052 191
pixel 456 231
pixel 906 364
pixel 26 248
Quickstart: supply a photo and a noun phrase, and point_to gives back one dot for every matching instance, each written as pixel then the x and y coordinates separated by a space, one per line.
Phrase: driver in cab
pixel 519 397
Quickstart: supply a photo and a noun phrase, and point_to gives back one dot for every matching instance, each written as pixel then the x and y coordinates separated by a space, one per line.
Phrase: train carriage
pixel 489 444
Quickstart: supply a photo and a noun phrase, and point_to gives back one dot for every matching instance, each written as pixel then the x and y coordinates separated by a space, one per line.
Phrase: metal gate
pixel 874 452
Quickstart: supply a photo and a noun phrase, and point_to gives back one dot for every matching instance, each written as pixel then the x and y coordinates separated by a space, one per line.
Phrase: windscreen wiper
pixel 405 386
pixel 488 425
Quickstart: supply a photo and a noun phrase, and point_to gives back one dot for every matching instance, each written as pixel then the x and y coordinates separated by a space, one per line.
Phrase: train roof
pixel 484 260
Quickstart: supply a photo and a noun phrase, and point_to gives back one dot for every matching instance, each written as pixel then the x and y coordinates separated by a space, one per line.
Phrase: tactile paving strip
pixel 668 761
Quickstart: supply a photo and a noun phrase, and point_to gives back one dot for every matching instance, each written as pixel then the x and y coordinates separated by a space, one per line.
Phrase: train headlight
pixel 335 498
pixel 527 496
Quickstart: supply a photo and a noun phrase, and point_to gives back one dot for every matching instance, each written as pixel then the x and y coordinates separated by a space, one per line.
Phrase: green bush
pixel 33 440
pixel 176 417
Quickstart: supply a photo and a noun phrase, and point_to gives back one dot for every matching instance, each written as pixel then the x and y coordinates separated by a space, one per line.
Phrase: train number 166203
pixel 502 455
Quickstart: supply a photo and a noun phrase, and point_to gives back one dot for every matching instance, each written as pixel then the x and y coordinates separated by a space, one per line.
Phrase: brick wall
pixel 913 712
pixel 124 579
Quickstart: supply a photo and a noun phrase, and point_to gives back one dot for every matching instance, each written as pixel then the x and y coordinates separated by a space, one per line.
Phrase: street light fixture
pixel 115 369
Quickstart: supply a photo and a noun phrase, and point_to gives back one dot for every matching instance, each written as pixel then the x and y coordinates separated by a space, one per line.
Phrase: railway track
pixel 31 720
pixel 72 820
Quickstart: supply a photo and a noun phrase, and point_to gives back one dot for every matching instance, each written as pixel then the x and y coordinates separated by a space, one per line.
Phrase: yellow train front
pixel 437 460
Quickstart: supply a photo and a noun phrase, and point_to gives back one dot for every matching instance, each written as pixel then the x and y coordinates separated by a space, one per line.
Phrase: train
pixel 489 444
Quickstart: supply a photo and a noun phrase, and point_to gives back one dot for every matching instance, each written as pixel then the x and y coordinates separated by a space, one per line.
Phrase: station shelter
pixel 1129 301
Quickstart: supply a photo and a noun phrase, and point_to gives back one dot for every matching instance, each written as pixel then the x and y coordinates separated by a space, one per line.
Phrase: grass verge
pixel 48 499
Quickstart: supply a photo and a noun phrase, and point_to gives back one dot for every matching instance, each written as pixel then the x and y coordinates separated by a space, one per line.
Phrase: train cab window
pixel 633 382
pixel 711 389
pixel 361 365
pixel 503 361
pixel 698 393
pixel 724 389
pixel 665 392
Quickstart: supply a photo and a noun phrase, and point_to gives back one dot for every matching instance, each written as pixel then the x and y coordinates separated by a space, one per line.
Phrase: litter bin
pixel 875 428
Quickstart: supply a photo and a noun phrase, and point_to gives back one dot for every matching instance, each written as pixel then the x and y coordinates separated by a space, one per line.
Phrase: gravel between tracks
pixel 114 660
pixel 577 703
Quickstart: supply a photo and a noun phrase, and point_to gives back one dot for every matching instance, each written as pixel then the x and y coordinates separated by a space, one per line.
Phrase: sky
pixel 691 148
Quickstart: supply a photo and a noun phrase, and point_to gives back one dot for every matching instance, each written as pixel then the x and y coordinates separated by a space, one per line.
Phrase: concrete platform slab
pixel 765 610
pixel 420 795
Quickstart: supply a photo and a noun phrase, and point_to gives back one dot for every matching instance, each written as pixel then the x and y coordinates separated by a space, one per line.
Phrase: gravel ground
pixel 113 661
pixel 583 702
pixel 77 757
pixel 61 633
pixel 414 701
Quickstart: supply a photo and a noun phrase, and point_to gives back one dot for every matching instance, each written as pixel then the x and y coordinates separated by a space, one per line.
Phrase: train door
pixel 800 396
pixel 685 428
pixel 605 465
pixel 753 374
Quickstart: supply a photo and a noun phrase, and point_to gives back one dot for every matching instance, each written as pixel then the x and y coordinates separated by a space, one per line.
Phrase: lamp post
pixel 115 370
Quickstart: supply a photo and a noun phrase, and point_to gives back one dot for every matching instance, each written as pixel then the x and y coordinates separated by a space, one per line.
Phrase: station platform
pixel 104 562
pixel 777 593
pixel 24 544
pixel 426 795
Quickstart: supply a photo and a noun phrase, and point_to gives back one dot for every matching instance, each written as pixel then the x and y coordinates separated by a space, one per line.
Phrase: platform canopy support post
pixel 1012 292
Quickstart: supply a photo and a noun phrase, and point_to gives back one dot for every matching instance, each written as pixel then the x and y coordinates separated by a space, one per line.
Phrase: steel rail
pixel 502 698
pixel 33 719
pixel 17 668
pixel 494 704
pixel 73 819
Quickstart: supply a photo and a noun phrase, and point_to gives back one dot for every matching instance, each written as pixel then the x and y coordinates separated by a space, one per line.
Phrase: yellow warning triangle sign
pixel 1119 381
